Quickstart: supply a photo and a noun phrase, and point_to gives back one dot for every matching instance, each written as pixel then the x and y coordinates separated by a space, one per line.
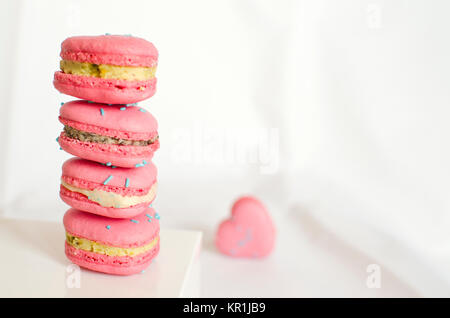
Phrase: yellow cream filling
pixel 111 199
pixel 99 248
pixel 129 73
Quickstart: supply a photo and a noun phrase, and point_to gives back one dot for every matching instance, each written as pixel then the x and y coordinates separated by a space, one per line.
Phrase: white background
pixel 334 113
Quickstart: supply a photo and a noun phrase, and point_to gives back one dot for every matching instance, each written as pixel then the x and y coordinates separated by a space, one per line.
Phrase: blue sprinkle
pixel 142 110
pixel 108 227
pixel 60 148
pixel 144 162
pixel 139 165
pixel 127 183
pixel 102 112
pixel 150 220
pixel 57 138
pixel 151 204
pixel 143 271
pixel 123 108
pixel 107 33
pixel 108 164
pixel 90 102
pixel 107 180
pixel 62 103
pixel 114 167
pixel 148 215
pixel 134 221
pixel 157 216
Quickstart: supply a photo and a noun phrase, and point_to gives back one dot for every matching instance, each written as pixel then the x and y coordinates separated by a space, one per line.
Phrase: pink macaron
pixel 112 246
pixel 118 135
pixel 249 232
pixel 107 190
pixel 112 69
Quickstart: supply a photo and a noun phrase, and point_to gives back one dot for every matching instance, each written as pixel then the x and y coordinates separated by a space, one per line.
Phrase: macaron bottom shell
pixel 101 90
pixel 115 265
pixel 117 155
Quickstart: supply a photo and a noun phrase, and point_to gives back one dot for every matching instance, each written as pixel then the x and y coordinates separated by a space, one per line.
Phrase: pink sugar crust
pixel 140 178
pixel 81 202
pixel 101 90
pixel 111 264
pixel 249 232
pixel 130 123
pixel 122 233
pixel 110 49
pixel 118 155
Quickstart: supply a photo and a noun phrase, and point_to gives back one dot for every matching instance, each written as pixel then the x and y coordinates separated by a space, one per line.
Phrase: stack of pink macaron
pixel 110 185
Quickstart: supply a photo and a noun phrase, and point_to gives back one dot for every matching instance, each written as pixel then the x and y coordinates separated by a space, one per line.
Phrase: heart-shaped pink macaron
pixel 249 232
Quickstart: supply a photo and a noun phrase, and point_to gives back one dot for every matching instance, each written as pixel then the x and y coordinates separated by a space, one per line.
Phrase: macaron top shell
pixel 123 233
pixel 119 50
pixel 117 117
pixel 142 177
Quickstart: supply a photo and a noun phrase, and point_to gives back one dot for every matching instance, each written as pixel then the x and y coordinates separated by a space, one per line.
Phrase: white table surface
pixel 309 260
pixel 34 265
